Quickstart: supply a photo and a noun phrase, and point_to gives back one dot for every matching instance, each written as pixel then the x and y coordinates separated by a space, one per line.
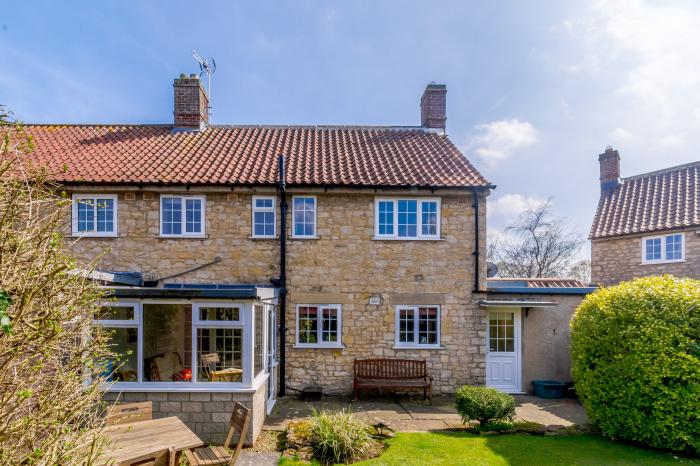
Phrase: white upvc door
pixel 503 357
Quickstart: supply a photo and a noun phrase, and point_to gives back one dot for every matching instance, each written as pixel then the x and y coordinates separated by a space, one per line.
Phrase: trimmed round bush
pixel 484 404
pixel 636 361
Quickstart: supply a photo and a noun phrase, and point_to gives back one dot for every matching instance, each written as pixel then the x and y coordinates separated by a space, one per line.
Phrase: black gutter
pixel 179 293
pixel 475 206
pixel 283 275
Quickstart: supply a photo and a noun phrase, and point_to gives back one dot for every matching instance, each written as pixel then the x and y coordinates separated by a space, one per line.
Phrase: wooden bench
pixel 393 374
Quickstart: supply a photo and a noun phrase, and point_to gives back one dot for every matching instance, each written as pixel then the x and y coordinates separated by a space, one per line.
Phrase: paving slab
pixel 443 408
pixel 564 412
pixel 257 458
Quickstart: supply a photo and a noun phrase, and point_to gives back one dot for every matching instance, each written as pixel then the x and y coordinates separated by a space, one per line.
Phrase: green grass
pixel 458 448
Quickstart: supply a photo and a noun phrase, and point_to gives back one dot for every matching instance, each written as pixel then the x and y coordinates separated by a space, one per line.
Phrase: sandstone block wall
pixel 619 259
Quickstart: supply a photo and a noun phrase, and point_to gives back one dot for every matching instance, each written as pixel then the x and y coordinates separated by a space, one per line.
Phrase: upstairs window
pixel 264 221
pixel 182 215
pixel 407 218
pixel 94 215
pixel 660 249
pixel 304 216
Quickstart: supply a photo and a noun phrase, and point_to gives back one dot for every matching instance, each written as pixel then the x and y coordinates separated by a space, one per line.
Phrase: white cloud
pixel 498 140
pixel 509 206
pixel 621 136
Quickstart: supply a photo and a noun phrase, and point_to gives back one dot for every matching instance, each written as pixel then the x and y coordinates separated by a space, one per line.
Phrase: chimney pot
pixel 191 110
pixel 609 169
pixel 433 106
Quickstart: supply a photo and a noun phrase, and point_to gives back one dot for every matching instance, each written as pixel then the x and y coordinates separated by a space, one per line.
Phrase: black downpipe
pixel 283 275
pixel 475 206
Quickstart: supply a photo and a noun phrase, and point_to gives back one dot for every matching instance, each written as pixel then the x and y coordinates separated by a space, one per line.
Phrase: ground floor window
pixel 319 325
pixel 183 343
pixel 417 326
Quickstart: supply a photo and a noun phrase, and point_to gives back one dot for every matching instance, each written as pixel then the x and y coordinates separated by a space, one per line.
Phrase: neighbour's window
pixel 94 214
pixel 304 216
pixel 319 325
pixel 417 326
pixel 667 248
pixel 182 215
pixel 264 216
pixel 407 218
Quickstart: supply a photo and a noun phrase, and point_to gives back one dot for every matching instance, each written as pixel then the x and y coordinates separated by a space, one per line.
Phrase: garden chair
pixel 125 413
pixel 216 455
pixel 209 362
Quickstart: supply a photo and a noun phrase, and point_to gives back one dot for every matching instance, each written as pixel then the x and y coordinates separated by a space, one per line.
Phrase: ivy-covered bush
pixel 636 361
pixel 484 404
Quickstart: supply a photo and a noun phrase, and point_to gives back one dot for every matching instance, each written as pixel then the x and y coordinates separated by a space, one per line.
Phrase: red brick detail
pixel 433 106
pixel 609 168
pixel 191 109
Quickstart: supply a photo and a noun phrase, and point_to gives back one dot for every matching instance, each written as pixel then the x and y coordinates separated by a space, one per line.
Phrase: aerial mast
pixel 208 66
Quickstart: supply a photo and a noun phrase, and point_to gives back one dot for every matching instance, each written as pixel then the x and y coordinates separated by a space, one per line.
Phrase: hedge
pixel 636 361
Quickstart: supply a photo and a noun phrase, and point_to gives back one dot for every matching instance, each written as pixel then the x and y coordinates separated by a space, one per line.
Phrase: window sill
pixel 303 237
pixel 678 261
pixel 263 237
pixel 382 238
pixel 91 235
pixel 419 347
pixel 309 346
pixel 182 236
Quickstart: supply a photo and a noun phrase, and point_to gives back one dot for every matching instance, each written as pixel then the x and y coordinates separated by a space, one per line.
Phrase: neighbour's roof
pixel 537 282
pixel 650 202
pixel 247 155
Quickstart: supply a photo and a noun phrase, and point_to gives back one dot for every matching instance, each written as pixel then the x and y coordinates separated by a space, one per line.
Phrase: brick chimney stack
pixel 609 169
pixel 433 106
pixel 191 109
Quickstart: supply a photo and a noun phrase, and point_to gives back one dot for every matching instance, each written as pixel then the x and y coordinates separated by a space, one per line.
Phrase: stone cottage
pixel 247 262
pixel 647 224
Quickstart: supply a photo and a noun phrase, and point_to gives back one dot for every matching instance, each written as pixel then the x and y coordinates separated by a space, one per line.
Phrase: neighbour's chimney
pixel 609 169
pixel 191 103
pixel 433 106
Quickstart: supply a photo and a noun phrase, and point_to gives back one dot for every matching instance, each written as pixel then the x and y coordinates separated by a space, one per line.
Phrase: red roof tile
pixel 351 156
pixel 655 201
pixel 554 282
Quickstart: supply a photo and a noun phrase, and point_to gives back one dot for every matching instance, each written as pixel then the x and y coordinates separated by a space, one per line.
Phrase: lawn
pixel 456 448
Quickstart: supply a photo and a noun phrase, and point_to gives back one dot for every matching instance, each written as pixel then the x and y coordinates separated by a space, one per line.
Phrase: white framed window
pixel 184 345
pixel 182 216
pixel 319 326
pixel 663 248
pixel 94 215
pixel 264 217
pixel 304 216
pixel 417 326
pixel 407 218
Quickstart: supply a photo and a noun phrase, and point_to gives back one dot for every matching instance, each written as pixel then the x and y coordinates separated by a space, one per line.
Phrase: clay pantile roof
pixel 247 155
pixel 650 202
pixel 555 282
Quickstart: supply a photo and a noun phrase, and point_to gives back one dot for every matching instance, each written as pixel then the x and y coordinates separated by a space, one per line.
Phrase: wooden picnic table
pixel 136 439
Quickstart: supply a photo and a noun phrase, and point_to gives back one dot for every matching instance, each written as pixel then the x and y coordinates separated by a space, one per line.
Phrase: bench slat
pixel 392 373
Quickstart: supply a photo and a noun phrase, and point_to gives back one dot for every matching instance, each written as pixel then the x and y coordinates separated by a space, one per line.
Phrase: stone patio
pixel 412 415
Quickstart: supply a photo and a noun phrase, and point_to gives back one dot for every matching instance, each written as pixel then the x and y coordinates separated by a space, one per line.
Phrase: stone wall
pixel 343 266
pixel 207 414
pixel 618 259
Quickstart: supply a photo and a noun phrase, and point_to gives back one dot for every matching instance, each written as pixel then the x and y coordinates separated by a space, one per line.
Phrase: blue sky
pixel 535 89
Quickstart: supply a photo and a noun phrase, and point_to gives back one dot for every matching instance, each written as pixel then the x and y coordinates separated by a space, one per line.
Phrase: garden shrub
pixel 484 404
pixel 338 437
pixel 636 361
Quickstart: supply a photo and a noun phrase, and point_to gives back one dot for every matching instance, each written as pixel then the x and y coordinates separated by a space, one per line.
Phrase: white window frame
pixel 183 219
pixel 94 233
pixel 419 219
pixel 272 209
pixel 314 234
pixel 249 382
pixel 415 344
pixel 663 259
pixel 319 329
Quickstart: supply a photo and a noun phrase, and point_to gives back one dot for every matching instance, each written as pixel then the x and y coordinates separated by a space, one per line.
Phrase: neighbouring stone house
pixel 647 224
pixel 233 283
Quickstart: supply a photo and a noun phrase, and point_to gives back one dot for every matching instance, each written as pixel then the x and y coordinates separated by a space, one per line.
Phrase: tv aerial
pixel 208 66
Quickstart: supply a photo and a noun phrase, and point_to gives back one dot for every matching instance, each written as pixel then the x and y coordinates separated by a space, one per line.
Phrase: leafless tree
pixel 581 270
pixel 537 244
